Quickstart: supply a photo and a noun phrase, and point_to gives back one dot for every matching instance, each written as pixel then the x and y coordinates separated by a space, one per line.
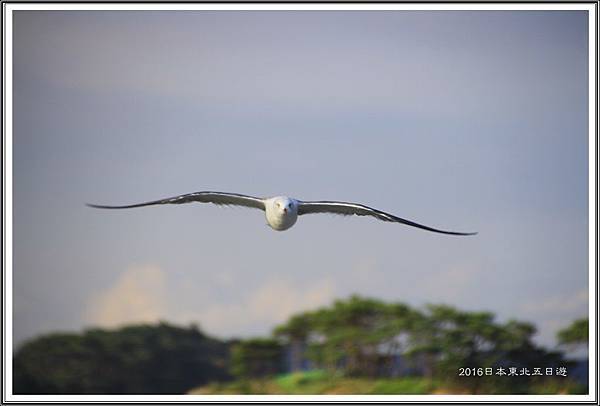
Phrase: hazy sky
pixel 458 120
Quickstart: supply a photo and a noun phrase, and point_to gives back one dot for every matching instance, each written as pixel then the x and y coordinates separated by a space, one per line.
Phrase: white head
pixel 284 205
pixel 281 212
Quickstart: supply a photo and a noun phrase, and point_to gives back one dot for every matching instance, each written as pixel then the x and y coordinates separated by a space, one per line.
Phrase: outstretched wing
pixel 349 209
pixel 202 197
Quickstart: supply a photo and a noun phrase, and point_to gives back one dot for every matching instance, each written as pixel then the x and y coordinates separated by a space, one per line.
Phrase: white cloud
pixel 270 304
pixel 138 295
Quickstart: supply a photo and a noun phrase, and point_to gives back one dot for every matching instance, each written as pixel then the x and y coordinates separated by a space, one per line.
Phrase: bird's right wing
pixel 218 198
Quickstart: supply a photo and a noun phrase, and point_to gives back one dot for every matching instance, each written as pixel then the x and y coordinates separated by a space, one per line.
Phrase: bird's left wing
pixel 349 209
pixel 219 198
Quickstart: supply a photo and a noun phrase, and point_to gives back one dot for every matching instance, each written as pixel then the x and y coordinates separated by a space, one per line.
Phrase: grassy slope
pixel 319 383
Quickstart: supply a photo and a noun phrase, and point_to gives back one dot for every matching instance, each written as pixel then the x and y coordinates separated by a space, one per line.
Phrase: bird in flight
pixel 282 211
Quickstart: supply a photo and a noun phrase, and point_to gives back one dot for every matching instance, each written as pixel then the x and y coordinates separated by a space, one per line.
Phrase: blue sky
pixel 458 120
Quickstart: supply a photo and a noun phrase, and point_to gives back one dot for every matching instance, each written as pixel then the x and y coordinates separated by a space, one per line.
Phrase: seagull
pixel 281 211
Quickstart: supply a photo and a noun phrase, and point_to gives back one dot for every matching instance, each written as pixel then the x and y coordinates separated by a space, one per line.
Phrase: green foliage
pixel 140 359
pixel 356 345
pixel 575 334
pixel 405 386
pixel 256 357
pixel 359 337
pixel 295 332
pixel 297 327
pixel 554 386
pixel 350 335
pixel 291 381
pixel 319 382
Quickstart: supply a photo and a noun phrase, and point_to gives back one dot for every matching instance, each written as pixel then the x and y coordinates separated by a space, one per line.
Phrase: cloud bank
pixel 137 296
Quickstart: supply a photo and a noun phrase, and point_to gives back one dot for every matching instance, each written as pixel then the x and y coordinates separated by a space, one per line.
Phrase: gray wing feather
pixel 349 209
pixel 219 198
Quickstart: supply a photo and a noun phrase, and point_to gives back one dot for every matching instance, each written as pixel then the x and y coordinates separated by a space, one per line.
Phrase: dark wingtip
pixel 455 232
pixel 99 206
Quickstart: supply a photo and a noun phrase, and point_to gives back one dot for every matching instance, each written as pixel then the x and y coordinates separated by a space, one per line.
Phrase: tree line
pixel 365 337
pixel 355 337
pixel 140 359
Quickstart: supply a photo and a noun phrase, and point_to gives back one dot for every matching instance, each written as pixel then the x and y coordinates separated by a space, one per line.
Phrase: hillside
pixel 320 383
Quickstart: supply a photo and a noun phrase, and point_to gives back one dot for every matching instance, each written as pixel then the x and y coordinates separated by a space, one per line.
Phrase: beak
pixel 285 210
